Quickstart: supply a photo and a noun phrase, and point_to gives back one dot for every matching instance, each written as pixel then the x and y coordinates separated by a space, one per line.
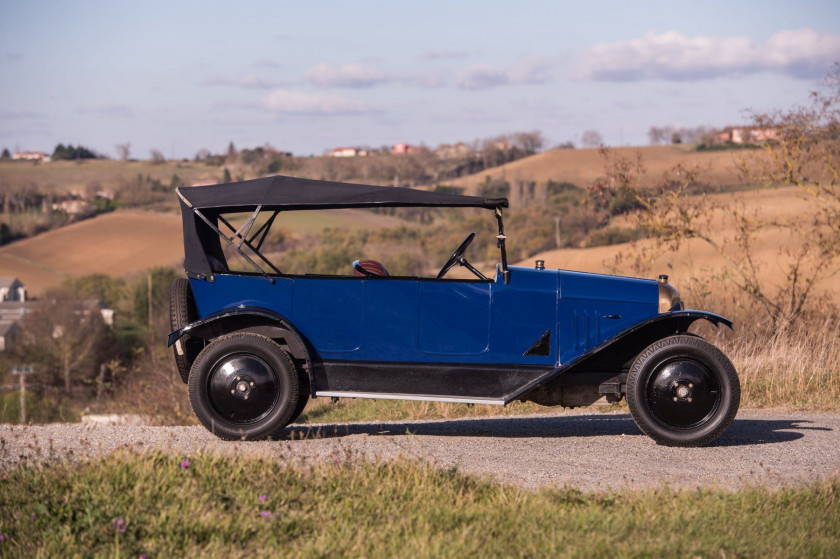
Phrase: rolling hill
pixel 125 242
pixel 697 259
pixel 582 166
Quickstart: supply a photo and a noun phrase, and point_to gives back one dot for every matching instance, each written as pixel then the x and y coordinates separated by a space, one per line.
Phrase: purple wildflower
pixel 185 463
pixel 32 516
pixel 265 514
pixel 2 537
pixel 288 446
pixel 263 498
pixel 142 556
pixel 119 524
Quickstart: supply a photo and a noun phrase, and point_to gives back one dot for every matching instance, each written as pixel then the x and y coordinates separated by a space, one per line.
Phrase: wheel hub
pixel 242 388
pixel 682 392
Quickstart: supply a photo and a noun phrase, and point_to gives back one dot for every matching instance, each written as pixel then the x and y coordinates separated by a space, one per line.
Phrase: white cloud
pixel 802 53
pixel 530 69
pixel 247 82
pixel 19 115
pixel 444 54
pixel 349 75
pixel 106 110
pixel 360 76
pixel 298 102
pixel 481 76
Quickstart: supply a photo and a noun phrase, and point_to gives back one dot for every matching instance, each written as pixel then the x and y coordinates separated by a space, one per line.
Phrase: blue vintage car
pixel 255 346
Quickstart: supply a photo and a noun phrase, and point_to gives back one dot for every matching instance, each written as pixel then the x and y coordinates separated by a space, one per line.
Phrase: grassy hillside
pixel 582 166
pixel 66 176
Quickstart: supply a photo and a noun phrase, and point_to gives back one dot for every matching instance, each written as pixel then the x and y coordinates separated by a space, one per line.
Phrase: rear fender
pixel 618 353
pixel 255 320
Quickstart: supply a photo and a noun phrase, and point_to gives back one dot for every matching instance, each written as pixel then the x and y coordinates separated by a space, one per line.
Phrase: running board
pixel 418 397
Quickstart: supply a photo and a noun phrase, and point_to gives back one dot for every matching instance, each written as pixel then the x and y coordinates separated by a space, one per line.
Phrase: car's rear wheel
pixel 302 401
pixel 181 313
pixel 683 391
pixel 244 387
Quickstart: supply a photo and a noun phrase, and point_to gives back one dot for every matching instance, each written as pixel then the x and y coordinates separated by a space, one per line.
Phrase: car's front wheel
pixel 683 391
pixel 244 387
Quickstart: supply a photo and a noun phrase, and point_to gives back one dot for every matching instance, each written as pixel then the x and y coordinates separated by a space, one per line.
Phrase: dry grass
pixel 799 368
pixel 696 262
pixel 582 166
pixel 66 176
pixel 116 244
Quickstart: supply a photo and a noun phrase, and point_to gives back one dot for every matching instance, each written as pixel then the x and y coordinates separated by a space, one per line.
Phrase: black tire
pixel 181 313
pixel 244 387
pixel 683 391
pixel 303 399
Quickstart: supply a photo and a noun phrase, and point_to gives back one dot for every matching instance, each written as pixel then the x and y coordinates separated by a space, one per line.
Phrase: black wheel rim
pixel 242 388
pixel 683 393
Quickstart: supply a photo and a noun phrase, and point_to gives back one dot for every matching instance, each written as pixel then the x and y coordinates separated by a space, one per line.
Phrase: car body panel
pixel 416 320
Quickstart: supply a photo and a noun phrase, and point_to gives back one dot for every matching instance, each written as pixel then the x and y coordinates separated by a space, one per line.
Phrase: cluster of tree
pixel 658 135
pixel 5 156
pixel 75 353
pixel 69 152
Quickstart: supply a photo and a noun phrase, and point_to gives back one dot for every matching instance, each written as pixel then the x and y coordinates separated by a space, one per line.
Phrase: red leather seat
pixel 370 269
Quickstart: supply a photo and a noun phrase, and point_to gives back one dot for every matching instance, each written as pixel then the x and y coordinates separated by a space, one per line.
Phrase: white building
pixel 12 290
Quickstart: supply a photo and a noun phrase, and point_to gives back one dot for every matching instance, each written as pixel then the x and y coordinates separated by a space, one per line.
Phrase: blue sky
pixel 305 77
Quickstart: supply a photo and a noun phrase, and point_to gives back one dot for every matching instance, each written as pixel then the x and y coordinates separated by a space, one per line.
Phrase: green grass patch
pixel 128 504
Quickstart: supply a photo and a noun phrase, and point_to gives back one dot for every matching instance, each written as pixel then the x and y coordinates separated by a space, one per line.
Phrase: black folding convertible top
pixel 202 207
pixel 288 193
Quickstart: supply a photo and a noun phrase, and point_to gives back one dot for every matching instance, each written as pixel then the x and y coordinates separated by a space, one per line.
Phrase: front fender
pixel 615 353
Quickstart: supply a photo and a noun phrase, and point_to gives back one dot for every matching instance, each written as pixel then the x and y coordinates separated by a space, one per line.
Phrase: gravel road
pixel 590 451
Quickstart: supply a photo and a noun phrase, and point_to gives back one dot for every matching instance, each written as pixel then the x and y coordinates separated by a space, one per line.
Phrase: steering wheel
pixel 458 258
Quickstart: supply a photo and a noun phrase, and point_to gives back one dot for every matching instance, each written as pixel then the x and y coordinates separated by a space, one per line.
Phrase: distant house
pixel 348 152
pixel 30 156
pixel 73 207
pixel 12 290
pixel 8 333
pixel 14 306
pixel 449 151
pixel 402 149
pixel 746 135
pixel 12 309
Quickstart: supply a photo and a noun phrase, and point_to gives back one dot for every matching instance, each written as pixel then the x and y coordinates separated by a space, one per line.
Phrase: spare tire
pixel 181 313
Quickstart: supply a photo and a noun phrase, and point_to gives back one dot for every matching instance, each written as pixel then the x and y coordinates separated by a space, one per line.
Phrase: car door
pixel 453 317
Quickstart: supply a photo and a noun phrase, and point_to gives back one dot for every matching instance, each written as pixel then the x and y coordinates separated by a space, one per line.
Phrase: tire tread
pixel 702 344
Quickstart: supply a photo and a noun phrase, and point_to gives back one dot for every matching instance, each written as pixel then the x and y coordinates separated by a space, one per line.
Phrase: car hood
pixel 593 287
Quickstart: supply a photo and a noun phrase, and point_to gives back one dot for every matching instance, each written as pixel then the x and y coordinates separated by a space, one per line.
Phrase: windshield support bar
pixel 501 244
pixel 247 243
pixel 243 231
pixel 264 228
pixel 237 248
